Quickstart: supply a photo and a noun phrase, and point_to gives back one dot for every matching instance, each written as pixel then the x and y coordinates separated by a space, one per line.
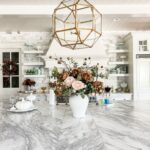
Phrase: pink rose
pixel 78 85
pixel 69 80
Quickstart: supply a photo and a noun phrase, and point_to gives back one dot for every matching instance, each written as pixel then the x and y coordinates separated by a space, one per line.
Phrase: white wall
pixel 98 52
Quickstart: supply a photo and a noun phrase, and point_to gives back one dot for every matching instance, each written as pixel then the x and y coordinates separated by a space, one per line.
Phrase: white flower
pixel 78 85
pixel 69 80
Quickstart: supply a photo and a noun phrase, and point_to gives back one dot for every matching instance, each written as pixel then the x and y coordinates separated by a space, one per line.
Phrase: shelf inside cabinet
pixel 34 76
pixel 118 51
pixel 119 75
pixel 33 64
pixel 33 52
pixel 118 63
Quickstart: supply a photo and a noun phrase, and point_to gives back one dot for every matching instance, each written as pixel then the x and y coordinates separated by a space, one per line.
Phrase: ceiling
pixel 54 2
pixel 43 23
pixel 123 20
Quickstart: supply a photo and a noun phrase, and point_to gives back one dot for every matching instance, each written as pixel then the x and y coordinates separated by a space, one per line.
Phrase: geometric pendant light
pixel 77 24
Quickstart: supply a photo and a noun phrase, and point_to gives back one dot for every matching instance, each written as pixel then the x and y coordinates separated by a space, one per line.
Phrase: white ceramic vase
pixel 51 97
pixel 28 88
pixel 78 105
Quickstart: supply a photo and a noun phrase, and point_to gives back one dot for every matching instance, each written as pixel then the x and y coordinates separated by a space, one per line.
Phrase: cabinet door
pixel 9 82
pixel 142 44
pixel 143 78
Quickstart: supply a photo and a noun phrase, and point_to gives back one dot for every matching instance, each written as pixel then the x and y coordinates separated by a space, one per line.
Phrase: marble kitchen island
pixel 126 126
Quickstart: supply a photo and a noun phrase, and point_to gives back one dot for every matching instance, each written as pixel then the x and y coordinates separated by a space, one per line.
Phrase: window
pixel 11 80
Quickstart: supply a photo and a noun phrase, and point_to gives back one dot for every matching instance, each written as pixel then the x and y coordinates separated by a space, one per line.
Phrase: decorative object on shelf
pixel 39 48
pixel 118 90
pixel 30 46
pixel 41 71
pixel 120 44
pixel 124 86
pixel 76 81
pixel 123 57
pixel 9 68
pixel 31 71
pixel 119 69
pixel 43 88
pixel 35 71
pixel 72 29
pixel 29 83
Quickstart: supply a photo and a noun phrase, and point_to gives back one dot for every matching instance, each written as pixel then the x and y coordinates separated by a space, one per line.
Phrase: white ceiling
pixel 43 23
pixel 54 2
pixel 132 14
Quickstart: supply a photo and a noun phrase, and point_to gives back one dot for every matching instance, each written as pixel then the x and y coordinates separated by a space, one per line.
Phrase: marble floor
pixel 125 126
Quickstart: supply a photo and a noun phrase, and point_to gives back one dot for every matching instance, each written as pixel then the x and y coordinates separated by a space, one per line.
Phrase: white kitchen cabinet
pixel 143 78
pixel 139 47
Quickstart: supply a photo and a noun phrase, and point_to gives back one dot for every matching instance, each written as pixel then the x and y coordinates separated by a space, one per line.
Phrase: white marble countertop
pixel 126 126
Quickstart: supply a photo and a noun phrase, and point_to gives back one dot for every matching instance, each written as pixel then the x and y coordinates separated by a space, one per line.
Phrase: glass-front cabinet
pixel 142 44
pixel 10 71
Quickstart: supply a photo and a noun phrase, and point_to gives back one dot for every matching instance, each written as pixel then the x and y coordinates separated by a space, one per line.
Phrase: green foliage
pixel 94 71
pixel 89 88
pixel 55 73
pixel 82 93
pixel 67 91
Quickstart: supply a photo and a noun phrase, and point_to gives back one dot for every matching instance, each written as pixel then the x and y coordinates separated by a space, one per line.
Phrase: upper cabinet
pixel 141 43
pixel 10 72
pixel 143 46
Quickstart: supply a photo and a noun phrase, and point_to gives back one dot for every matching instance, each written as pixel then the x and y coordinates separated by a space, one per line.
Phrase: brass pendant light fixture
pixel 77 24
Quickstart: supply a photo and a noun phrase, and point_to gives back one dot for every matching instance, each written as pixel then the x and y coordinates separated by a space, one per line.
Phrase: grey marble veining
pixel 126 126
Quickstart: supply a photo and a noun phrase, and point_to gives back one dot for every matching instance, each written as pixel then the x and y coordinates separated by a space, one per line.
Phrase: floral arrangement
pixel 76 80
pixel 9 68
pixel 29 82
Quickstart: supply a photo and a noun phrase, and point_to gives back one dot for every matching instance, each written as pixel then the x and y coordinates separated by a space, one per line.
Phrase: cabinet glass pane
pixel 6 70
pixel 6 57
pixel 143 45
pixel 15 70
pixel 15 57
pixel 15 82
pixel 6 82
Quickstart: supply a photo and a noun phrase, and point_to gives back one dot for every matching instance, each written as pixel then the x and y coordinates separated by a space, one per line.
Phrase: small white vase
pixel 78 105
pixel 28 88
pixel 51 97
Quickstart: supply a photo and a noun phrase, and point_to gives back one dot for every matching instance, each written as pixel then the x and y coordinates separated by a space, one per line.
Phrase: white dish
pixel 15 110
